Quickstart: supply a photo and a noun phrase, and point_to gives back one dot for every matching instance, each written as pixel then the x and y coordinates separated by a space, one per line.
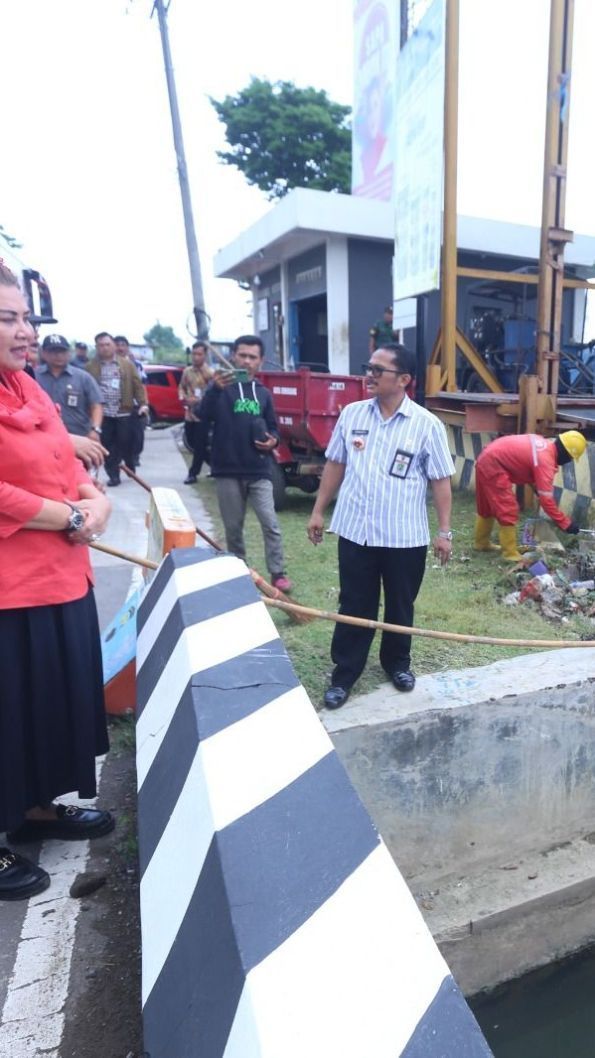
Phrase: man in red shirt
pixel 520 459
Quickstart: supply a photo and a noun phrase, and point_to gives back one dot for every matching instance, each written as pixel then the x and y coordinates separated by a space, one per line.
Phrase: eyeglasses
pixel 376 371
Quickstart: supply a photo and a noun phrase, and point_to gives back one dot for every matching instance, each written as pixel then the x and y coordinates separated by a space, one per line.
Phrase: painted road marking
pixel 33 1014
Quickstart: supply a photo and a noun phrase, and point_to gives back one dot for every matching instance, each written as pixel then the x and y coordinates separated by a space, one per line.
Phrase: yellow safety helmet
pixel 574 443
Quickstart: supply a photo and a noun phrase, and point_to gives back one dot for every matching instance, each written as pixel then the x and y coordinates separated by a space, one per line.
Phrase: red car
pixel 162 392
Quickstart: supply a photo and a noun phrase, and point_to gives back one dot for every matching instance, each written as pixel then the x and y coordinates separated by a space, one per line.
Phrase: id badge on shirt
pixel 197 392
pixel 115 383
pixel 401 463
pixel 72 400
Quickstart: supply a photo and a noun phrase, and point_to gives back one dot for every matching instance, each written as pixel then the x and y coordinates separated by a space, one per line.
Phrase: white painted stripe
pixel 200 647
pixel 254 759
pixel 367 949
pixel 170 879
pixel 32 1020
pixel 232 773
pixel 184 581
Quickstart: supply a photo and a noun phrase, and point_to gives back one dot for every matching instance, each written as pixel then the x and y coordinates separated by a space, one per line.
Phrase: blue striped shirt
pixel 388 463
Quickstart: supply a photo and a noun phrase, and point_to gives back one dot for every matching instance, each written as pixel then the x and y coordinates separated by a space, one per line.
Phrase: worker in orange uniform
pixel 520 459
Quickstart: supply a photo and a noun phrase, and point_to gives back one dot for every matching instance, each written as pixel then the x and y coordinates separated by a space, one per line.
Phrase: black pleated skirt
pixel 52 716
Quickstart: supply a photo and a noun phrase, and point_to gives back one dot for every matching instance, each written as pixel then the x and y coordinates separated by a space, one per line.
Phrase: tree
pixel 282 137
pixel 166 345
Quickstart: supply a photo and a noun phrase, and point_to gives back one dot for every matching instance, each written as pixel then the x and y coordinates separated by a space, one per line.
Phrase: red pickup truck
pixel 307 404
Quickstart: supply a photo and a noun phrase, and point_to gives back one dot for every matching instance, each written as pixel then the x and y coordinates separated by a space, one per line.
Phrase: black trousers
pixel 117 437
pixel 137 425
pixel 196 438
pixel 362 571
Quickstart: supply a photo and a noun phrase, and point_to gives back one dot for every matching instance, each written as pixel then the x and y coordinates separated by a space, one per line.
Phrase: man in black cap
pixel 75 391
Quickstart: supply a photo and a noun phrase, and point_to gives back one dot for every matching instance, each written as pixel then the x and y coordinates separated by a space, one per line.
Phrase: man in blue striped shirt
pixel 381 456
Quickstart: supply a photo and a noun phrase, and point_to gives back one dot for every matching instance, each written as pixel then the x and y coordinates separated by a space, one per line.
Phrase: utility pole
pixel 449 236
pixel 200 314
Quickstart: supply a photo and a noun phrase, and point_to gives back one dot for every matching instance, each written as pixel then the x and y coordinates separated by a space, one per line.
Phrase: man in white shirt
pixel 381 456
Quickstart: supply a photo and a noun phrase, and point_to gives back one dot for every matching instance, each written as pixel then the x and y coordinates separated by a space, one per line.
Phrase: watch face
pixel 77 521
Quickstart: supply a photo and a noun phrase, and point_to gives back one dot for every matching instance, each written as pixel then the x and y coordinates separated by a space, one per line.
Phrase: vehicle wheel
pixel 153 417
pixel 309 483
pixel 279 486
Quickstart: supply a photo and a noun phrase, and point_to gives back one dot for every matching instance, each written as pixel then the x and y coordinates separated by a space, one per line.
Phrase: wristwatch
pixel 446 534
pixel 76 520
pixel 96 429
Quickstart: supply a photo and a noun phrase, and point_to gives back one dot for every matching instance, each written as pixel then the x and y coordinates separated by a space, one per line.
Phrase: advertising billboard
pixel 376 38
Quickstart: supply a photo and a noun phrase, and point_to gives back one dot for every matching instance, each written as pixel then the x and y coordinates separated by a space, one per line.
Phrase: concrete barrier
pixel 169 526
pixel 274 921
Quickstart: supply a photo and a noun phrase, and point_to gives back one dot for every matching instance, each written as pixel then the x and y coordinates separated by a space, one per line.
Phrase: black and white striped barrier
pixel 274 922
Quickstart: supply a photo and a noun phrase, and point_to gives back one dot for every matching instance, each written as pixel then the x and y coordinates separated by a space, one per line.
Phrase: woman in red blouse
pixel 52 719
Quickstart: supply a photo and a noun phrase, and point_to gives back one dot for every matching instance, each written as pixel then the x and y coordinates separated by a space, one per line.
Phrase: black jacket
pixel 234 412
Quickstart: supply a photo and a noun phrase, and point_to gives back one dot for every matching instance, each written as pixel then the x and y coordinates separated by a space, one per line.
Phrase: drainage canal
pixel 549 1013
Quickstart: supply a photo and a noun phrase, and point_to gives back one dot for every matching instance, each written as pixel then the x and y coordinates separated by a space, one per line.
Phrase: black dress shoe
pixel 20 879
pixel 71 824
pixel 403 680
pixel 335 697
pixel 113 482
pixel 190 480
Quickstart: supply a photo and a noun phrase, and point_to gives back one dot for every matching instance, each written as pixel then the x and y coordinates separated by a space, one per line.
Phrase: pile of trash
pixel 560 584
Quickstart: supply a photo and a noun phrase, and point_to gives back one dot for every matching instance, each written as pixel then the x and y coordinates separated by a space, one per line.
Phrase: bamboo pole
pixel 427 633
pixel 308 613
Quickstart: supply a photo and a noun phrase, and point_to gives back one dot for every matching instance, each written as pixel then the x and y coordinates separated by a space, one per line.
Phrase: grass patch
pixel 122 730
pixel 462 597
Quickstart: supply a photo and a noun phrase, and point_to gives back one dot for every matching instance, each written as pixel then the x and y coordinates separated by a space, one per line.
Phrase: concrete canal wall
pixel 482 783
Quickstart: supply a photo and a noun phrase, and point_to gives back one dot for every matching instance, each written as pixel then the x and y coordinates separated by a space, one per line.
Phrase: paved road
pixel 37 937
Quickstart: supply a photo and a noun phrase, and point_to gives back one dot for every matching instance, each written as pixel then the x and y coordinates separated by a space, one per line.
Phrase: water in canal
pixel 549 1013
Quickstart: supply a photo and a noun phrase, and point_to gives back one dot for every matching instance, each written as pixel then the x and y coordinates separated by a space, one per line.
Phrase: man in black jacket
pixel 245 432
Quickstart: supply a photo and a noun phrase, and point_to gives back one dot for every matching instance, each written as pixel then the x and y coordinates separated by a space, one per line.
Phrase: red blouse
pixel 37 462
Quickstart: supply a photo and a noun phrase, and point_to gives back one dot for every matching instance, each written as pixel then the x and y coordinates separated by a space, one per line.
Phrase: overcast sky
pixel 89 184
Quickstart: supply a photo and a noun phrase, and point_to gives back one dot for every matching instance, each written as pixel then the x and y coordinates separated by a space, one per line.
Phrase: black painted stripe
pixel 569 476
pixel 155 588
pixel 263 877
pixel 477 445
pixel 190 610
pixel 448 1029
pixel 191 1007
pixel 285 858
pixel 177 559
pixel 582 506
pixel 236 688
pixel 163 785
pixel 214 700
pixel 466 473
pixel 458 439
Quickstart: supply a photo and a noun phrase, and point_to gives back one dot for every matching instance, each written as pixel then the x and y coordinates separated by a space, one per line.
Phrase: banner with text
pixel 376 38
pixel 419 156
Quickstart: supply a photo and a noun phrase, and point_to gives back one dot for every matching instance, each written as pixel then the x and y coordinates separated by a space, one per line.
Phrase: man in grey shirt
pixel 74 391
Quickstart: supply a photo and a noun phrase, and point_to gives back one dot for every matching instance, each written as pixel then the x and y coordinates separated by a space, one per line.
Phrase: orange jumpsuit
pixel 520 459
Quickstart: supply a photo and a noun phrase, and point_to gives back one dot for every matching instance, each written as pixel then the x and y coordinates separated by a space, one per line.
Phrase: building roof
pixel 305 218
